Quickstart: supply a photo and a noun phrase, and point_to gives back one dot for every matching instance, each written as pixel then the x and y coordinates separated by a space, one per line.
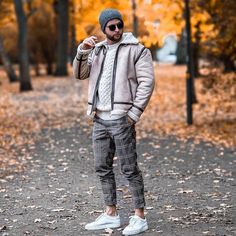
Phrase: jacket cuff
pixel 82 51
pixel 133 116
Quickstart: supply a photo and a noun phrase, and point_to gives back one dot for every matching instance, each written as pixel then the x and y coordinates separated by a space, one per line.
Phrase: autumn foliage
pixel 156 19
pixel 60 103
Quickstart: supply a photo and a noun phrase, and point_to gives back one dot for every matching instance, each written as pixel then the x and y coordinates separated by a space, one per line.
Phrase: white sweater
pixel 103 104
pixel 104 89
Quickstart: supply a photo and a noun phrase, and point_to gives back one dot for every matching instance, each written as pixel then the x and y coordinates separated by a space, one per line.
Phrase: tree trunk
pixel 25 82
pixel 37 69
pixel 181 52
pixel 196 59
pixel 229 65
pixel 7 63
pixel 153 49
pixel 49 58
pixel 73 44
pixel 63 28
pixel 34 61
pixel 182 59
pixel 135 19
pixel 49 68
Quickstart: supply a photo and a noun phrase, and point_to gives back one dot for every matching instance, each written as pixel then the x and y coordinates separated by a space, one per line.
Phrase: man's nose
pixel 117 29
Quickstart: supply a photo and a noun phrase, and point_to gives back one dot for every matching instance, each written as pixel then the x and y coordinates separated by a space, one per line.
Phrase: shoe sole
pixel 111 226
pixel 137 231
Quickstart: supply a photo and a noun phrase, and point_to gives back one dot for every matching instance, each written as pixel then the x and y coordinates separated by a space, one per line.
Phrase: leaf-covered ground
pixel 59 102
pixel 48 185
pixel 189 187
pixel 214 114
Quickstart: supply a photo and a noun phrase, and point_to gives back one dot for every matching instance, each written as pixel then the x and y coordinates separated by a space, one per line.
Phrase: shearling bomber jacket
pixel 132 77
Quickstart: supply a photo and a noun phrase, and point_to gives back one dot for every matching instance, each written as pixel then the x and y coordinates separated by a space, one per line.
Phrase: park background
pixel 39 39
pixel 47 180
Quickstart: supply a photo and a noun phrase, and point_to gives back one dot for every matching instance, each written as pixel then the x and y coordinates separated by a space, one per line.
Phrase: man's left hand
pixel 131 121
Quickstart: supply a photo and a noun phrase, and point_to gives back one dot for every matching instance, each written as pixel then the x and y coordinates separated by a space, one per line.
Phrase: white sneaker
pixel 136 225
pixel 104 221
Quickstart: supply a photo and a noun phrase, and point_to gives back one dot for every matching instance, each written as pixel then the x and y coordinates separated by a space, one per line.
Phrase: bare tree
pixel 135 18
pixel 62 10
pixel 25 81
pixel 182 49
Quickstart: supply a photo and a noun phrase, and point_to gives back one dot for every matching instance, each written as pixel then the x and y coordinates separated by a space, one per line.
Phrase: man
pixel 121 81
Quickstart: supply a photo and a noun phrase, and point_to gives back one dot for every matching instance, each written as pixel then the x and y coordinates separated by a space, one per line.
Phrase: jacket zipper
pixel 98 80
pixel 113 77
pixel 80 62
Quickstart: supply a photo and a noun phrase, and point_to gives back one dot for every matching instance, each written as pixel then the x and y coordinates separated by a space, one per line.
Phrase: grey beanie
pixel 107 15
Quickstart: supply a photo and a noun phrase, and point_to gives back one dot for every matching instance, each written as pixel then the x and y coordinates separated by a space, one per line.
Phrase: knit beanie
pixel 107 15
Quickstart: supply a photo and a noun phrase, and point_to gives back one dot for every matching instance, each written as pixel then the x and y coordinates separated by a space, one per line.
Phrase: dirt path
pixel 190 188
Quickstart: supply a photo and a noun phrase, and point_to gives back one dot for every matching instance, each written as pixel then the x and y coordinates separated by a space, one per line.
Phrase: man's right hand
pixel 89 43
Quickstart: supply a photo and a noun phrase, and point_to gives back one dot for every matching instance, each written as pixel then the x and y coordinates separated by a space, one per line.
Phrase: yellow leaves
pixel 157 18
pixel 85 17
pixel 160 18
pixel 80 32
pixel 87 13
pixel 147 41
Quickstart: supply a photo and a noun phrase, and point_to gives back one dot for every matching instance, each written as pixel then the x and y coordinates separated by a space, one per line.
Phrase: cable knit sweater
pixel 104 91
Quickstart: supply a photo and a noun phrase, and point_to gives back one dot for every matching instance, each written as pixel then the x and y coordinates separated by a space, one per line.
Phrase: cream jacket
pixel 132 77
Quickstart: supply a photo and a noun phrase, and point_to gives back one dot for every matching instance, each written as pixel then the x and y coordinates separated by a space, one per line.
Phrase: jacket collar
pixel 127 38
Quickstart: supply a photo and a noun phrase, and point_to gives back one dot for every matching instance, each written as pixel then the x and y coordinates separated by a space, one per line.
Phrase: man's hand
pixel 131 121
pixel 89 43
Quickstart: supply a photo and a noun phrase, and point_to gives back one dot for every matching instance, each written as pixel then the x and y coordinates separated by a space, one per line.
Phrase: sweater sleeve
pixel 145 79
pixel 82 63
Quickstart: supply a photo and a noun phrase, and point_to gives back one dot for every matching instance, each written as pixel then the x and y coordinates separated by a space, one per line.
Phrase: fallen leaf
pixel 37 220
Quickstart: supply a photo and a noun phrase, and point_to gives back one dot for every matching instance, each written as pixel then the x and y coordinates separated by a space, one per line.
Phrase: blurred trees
pixel 62 10
pixel 42 36
pixel 25 82
pixel 86 14
pixel 57 27
pixel 222 43
pixel 213 26
pixel 5 18
pixel 7 63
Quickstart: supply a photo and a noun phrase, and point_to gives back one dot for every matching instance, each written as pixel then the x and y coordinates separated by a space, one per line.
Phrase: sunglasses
pixel 120 25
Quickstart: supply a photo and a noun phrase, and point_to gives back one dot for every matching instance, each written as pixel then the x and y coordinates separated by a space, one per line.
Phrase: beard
pixel 114 38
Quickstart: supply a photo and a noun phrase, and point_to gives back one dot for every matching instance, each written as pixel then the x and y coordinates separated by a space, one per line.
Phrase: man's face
pixel 114 30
